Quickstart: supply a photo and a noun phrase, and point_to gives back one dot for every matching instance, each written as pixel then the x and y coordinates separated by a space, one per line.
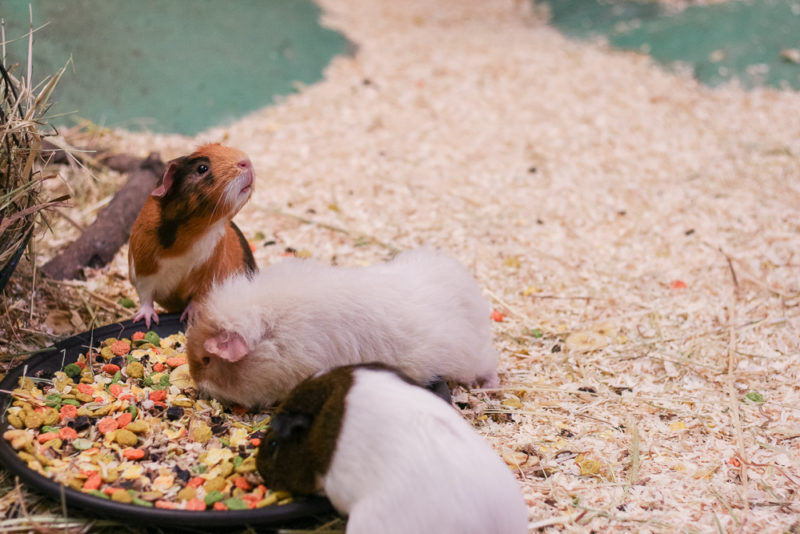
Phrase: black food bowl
pixel 67 351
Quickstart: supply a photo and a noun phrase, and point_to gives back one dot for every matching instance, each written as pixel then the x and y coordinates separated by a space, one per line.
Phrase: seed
pixel 80 423
pixel 174 413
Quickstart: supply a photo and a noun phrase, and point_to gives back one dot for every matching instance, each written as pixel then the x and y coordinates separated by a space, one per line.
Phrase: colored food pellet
pixel 133 454
pixel 107 424
pixel 131 419
pixel 120 348
pixel 93 482
pixel 195 504
pixel 124 419
pixel 86 389
pixel 68 410
pixel 176 361
pixel 72 370
pixel 67 433
pixel 110 368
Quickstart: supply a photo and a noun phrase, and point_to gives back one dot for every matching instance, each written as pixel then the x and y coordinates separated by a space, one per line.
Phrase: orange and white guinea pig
pixel 184 239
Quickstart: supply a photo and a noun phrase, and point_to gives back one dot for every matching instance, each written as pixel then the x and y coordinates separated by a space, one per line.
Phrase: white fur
pixel 422 312
pixel 172 270
pixel 407 462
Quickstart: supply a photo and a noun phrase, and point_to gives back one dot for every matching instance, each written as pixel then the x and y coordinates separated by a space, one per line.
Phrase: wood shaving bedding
pixel 638 232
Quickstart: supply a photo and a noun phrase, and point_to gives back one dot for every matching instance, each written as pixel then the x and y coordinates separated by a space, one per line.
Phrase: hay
pixel 638 231
pixel 23 125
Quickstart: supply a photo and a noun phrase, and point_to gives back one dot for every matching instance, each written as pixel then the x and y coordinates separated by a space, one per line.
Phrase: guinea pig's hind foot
pixel 489 381
pixel 147 313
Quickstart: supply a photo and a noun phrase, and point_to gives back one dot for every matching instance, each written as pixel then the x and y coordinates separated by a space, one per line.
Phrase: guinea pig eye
pixel 206 360
pixel 202 169
pixel 272 448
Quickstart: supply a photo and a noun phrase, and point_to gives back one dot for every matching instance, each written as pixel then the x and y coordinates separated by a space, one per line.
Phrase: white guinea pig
pixel 255 338
pixel 390 455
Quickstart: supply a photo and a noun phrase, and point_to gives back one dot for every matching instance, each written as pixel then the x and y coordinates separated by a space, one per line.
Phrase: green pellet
pixel 72 370
pixel 212 497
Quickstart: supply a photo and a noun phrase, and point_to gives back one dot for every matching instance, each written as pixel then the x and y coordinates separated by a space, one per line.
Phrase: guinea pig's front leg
pixel 146 312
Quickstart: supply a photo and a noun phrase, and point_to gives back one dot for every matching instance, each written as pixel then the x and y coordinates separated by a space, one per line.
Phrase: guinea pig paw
pixel 147 313
pixel 190 314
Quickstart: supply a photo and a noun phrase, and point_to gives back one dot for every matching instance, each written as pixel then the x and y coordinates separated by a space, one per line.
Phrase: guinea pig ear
pixel 285 424
pixel 168 178
pixel 227 345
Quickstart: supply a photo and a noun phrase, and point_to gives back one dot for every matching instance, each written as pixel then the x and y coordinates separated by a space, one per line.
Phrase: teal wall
pixel 171 65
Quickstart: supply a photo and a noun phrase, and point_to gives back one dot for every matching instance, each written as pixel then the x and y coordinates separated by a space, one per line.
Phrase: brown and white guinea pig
pixel 183 239
pixel 255 338
pixel 390 455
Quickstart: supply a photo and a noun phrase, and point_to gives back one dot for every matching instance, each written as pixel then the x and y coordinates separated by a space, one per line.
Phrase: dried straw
pixel 23 125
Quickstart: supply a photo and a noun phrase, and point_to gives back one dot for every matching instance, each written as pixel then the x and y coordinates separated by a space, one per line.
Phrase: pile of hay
pixel 22 128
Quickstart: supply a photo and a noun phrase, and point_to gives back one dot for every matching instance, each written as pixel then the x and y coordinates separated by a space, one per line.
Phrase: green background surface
pixel 171 65
pixel 744 37
pixel 186 65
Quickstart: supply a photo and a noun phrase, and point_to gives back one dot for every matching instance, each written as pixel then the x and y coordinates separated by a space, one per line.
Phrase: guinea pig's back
pixel 404 454
pixel 444 303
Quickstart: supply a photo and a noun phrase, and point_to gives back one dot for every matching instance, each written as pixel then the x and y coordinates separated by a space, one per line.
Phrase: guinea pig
pixel 254 339
pixel 390 455
pixel 183 239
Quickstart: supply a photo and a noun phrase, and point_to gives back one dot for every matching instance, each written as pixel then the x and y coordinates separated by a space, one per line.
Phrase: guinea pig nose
pixel 244 164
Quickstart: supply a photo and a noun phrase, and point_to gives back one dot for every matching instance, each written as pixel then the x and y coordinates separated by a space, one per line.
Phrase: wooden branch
pixel 112 227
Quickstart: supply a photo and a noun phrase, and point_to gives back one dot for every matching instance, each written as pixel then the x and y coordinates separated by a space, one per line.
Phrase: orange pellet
pixel 68 410
pixel 195 504
pixel 677 284
pixel 126 397
pixel 40 409
pixel 158 395
pixel 108 490
pixel 120 348
pixel 166 505
pixel 161 404
pixel 124 419
pixel 81 364
pixel 255 442
pixel 115 389
pixel 107 424
pixel 242 483
pixel 110 368
pixel 133 454
pixel 86 389
pixel 239 410
pixel 99 399
pixel 262 488
pixel 219 505
pixel 93 482
pixel 47 436
pixel 67 433
pixel 196 482
pixel 137 336
pixel 497 316
pixel 175 361
pixel 158 367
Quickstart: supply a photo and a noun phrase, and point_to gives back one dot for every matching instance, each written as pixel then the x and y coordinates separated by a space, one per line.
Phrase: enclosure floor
pixel 638 231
